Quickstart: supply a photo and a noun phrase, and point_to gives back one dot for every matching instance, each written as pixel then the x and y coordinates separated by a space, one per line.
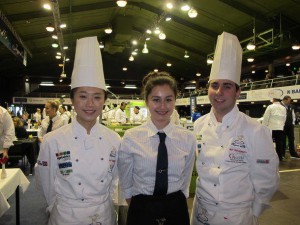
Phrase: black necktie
pixel 161 180
pixel 49 128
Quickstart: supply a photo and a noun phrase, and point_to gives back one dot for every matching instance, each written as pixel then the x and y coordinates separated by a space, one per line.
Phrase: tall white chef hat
pixel 227 59
pixel 88 67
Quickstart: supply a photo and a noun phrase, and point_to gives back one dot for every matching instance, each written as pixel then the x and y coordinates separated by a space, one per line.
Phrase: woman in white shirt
pixel 139 171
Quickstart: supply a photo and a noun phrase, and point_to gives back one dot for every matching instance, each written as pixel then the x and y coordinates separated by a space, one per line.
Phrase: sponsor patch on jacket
pixel 239 142
pixel 262 161
pixel 63 156
pixel 112 160
pixel 64 163
pixel 42 163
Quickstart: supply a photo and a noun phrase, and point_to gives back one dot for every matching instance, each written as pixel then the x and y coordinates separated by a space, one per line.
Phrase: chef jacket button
pixel 203 163
pixel 217 203
pixel 79 183
pixel 215 185
pixel 222 146
pixel 102 181
pixel 76 160
pixel 75 137
pixel 219 167
pixel 82 199
pixel 101 158
pixel 227 126
pixel 100 138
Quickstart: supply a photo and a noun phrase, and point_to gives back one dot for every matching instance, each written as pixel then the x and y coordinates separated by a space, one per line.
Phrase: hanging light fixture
pixel 250 59
pixel 50 27
pixel 121 3
pixel 101 45
pixel 168 18
pixel 295 46
pixel 47 6
pixel 209 60
pixel 63 25
pixel 185 6
pixel 54 36
pixel 251 46
pixel 193 13
pixel 169 64
pixel 162 36
pixel 108 30
pixel 54 44
pixel 145 49
pixel 198 74
pixel 169 5
pixel 131 58
pixel 157 31
pixel 186 55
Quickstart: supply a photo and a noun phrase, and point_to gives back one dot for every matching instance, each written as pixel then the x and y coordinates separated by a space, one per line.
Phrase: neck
pixel 160 124
pixel 88 125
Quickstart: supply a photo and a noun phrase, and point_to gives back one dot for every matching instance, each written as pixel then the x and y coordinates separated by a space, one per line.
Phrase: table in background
pixel 30 147
pixel 33 132
pixel 15 179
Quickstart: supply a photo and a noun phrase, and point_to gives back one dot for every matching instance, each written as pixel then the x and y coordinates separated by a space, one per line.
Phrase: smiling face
pixel 88 103
pixel 161 103
pixel 222 95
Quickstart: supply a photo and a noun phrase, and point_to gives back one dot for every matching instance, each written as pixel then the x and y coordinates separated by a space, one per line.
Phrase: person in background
pixel 24 119
pixel 37 116
pixel 120 115
pixel 77 163
pixel 274 118
pixel 196 114
pixel 137 116
pixel 236 163
pixel 20 130
pixel 63 114
pixel 7 132
pixel 175 117
pixel 288 130
pixel 156 159
pixel 52 120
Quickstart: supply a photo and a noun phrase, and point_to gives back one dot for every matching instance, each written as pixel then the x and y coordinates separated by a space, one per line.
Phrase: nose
pixel 90 102
pixel 219 91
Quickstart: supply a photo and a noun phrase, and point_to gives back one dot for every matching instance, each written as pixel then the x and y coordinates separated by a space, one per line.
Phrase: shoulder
pixel 109 133
pixel 201 121
pixel 250 124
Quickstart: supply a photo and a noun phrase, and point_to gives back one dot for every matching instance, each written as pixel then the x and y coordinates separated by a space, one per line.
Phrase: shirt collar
pixel 227 119
pixel 152 131
pixel 80 131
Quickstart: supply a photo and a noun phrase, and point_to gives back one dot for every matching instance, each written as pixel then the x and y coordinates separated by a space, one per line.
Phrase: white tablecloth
pixel 15 178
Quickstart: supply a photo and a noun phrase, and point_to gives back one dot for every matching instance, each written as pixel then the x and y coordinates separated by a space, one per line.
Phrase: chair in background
pixel 15 154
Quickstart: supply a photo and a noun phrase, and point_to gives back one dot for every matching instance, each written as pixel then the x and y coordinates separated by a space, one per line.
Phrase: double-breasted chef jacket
pixel 237 167
pixel 79 174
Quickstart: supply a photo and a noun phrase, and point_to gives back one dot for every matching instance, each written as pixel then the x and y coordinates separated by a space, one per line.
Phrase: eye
pixel 82 96
pixel 155 99
pixel 214 86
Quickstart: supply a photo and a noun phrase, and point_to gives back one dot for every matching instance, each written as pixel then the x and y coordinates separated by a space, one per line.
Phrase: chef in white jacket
pixel 236 163
pixel 76 166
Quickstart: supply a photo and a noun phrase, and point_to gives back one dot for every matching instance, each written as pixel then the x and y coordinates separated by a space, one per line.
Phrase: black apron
pixel 168 209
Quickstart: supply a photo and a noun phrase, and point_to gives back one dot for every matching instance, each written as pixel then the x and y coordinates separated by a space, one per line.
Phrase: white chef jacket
pixel 37 117
pixel 237 164
pixel 57 123
pixel 138 158
pixel 65 118
pixel 136 117
pixel 275 116
pixel 77 170
pixel 120 116
pixel 7 129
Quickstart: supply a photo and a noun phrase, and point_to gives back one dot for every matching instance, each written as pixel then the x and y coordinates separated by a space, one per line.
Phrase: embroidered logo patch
pixel 262 161
pixel 112 160
pixel 42 163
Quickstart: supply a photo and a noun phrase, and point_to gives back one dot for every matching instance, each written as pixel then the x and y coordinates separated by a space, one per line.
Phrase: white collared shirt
pixel 138 158
pixel 57 123
pixel 136 117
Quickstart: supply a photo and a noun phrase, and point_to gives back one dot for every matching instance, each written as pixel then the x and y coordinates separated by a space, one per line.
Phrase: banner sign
pixel 193 104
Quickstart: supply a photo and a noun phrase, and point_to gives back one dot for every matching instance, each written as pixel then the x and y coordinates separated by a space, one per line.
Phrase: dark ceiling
pixel 276 24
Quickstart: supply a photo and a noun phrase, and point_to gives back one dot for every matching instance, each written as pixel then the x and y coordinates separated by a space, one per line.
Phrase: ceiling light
pixel 251 46
pixel 121 3
pixel 60 80
pixel 193 13
pixel 27 80
pixel 157 30
pixel 101 45
pixel 46 84
pixel 131 58
pixel 63 25
pixel 50 27
pixel 170 5
pixel 148 38
pixel 130 86
pixel 186 55
pixel 55 44
pixel 60 65
pixel 65 47
pixel 47 6
pixel 58 53
pixel 145 49
pixel 296 46
pixel 288 64
pixel 168 18
pixel 253 71
pixel 250 59
pixel 58 57
pixel 198 74
pixel 148 31
pixel 54 36
pixel 108 30
pixel 67 59
pixel 107 86
pixel 134 53
pixel 266 71
pixel 190 87
pixel 124 68
pixel 162 36
pixel 155 70
pixel 210 60
pixel 134 42
pixel 169 64
pixel 185 7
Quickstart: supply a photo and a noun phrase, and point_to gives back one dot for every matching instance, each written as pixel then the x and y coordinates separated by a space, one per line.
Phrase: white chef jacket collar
pixel 168 130
pixel 227 119
pixel 80 131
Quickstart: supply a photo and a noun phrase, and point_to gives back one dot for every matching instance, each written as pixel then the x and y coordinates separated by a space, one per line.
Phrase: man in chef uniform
pixel 236 162
pixel 76 167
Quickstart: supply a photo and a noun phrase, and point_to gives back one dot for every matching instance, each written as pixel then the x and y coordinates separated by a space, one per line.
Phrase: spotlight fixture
pixel 47 6
pixel 162 36
pixel 168 18
pixel 210 60
pixel 63 25
pixel 131 58
pixel 58 53
pixel 54 36
pixel 121 3
pixel 251 46
pixel 250 59
pixel 67 59
pixel 170 5
pixel 186 55
pixel 288 64
pixel 108 30
pixel 157 31
pixel 58 56
pixel 50 27
pixel 124 68
pixel 198 74
pixel 134 53
pixel 55 44
pixel 148 31
pixel 193 13
pixel 65 47
pixel 185 7
pixel 296 46
pixel 169 64
pixel 134 42
pixel 253 71
pixel 148 38
pixel 145 49
pixel 101 45
pixel 155 70
pixel 266 71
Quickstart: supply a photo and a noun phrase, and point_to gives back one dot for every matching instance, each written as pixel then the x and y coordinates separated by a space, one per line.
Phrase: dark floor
pixel 285 203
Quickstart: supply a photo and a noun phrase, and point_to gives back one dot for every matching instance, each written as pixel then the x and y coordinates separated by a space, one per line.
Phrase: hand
pixel 5 153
